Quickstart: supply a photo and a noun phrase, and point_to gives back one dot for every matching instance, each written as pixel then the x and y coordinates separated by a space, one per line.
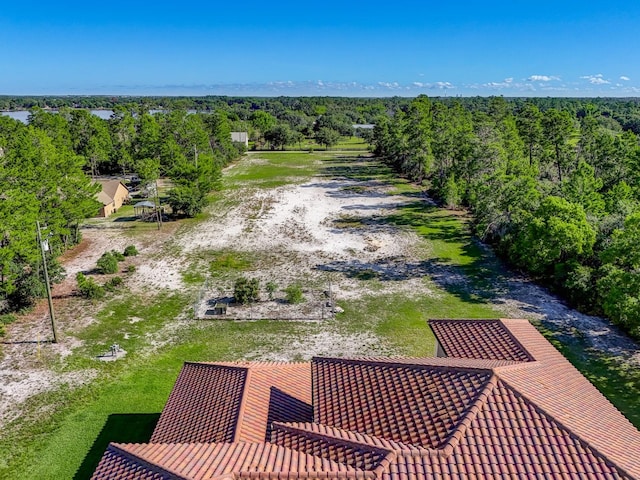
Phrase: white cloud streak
pixel 597 79
pixel 542 78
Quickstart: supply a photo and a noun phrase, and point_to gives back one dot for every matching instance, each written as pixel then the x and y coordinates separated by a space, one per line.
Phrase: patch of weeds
pixel 229 261
pixel 348 221
pixel 6 319
pixel 114 322
pixel 366 274
pixel 193 276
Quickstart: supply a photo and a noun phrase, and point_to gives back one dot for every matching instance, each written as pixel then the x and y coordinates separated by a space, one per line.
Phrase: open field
pixel 392 258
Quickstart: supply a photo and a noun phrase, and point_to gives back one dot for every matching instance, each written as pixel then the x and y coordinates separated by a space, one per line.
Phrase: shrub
pixel 88 287
pixel 117 255
pixel 28 288
pixel 131 268
pixel 107 263
pixel 294 293
pixel 113 284
pixel 6 319
pixel 246 290
pixel 130 251
pixel 271 288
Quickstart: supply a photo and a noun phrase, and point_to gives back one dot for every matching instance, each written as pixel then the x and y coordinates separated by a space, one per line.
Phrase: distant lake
pixel 23 115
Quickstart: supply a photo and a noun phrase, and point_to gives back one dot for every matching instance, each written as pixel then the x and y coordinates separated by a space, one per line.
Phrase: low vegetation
pixel 293 293
pixel 246 290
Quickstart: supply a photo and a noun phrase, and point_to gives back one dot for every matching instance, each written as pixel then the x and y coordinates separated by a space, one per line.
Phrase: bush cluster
pixel 246 290
pixel 88 287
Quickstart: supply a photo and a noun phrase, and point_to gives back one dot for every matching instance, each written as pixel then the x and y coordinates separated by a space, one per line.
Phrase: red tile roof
pixel 200 461
pixel 204 405
pixel 478 339
pixel 412 404
pixel 526 413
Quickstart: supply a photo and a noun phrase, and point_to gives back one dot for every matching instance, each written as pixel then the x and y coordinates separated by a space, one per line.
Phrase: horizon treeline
pixel 556 192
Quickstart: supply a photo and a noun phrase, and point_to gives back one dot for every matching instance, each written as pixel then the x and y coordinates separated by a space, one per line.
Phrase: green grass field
pixel 124 401
pixel 351 144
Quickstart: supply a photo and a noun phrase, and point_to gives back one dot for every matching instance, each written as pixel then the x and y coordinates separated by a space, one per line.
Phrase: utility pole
pixel 48 286
pixel 158 212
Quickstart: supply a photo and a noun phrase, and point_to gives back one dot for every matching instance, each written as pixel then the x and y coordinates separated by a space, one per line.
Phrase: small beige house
pixel 240 137
pixel 113 194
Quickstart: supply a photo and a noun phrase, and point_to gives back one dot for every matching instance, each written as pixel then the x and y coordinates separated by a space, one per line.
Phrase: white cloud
pixel 625 78
pixel 434 86
pixel 506 83
pixel 496 85
pixel 597 79
pixel 542 78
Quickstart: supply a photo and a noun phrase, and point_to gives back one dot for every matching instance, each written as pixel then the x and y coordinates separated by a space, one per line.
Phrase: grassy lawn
pixel 124 401
pixel 355 144
pixel 273 169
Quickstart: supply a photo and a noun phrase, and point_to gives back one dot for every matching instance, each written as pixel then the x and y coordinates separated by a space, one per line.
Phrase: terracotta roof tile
pixel 495 417
pixel 412 404
pixel 197 461
pixel 560 390
pixel 119 463
pixel 275 392
pixel 479 339
pixel 360 455
pixel 511 436
pixel 204 405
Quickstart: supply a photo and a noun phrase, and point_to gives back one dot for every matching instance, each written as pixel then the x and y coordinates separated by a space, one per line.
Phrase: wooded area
pixel 555 191
pixel 552 183
pixel 47 166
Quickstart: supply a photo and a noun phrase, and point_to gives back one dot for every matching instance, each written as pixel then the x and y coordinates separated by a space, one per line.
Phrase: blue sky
pixel 516 48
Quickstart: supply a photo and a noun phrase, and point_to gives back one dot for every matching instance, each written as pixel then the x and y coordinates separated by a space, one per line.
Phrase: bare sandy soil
pixel 325 231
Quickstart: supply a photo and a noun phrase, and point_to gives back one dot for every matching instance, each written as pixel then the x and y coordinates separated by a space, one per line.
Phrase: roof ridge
pixel 554 419
pixel 470 415
pixel 384 457
pixel 217 365
pixel 332 438
pixel 122 449
pixel 392 444
pixel 243 405
pixel 395 364
pixel 358 474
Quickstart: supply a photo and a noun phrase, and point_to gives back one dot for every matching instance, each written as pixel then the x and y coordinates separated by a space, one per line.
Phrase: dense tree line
pixel 47 167
pixel 298 111
pixel 556 191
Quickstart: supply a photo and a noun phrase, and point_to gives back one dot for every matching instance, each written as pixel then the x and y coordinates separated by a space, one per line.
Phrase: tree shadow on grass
pixel 360 171
pixel 469 273
pixel 120 428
